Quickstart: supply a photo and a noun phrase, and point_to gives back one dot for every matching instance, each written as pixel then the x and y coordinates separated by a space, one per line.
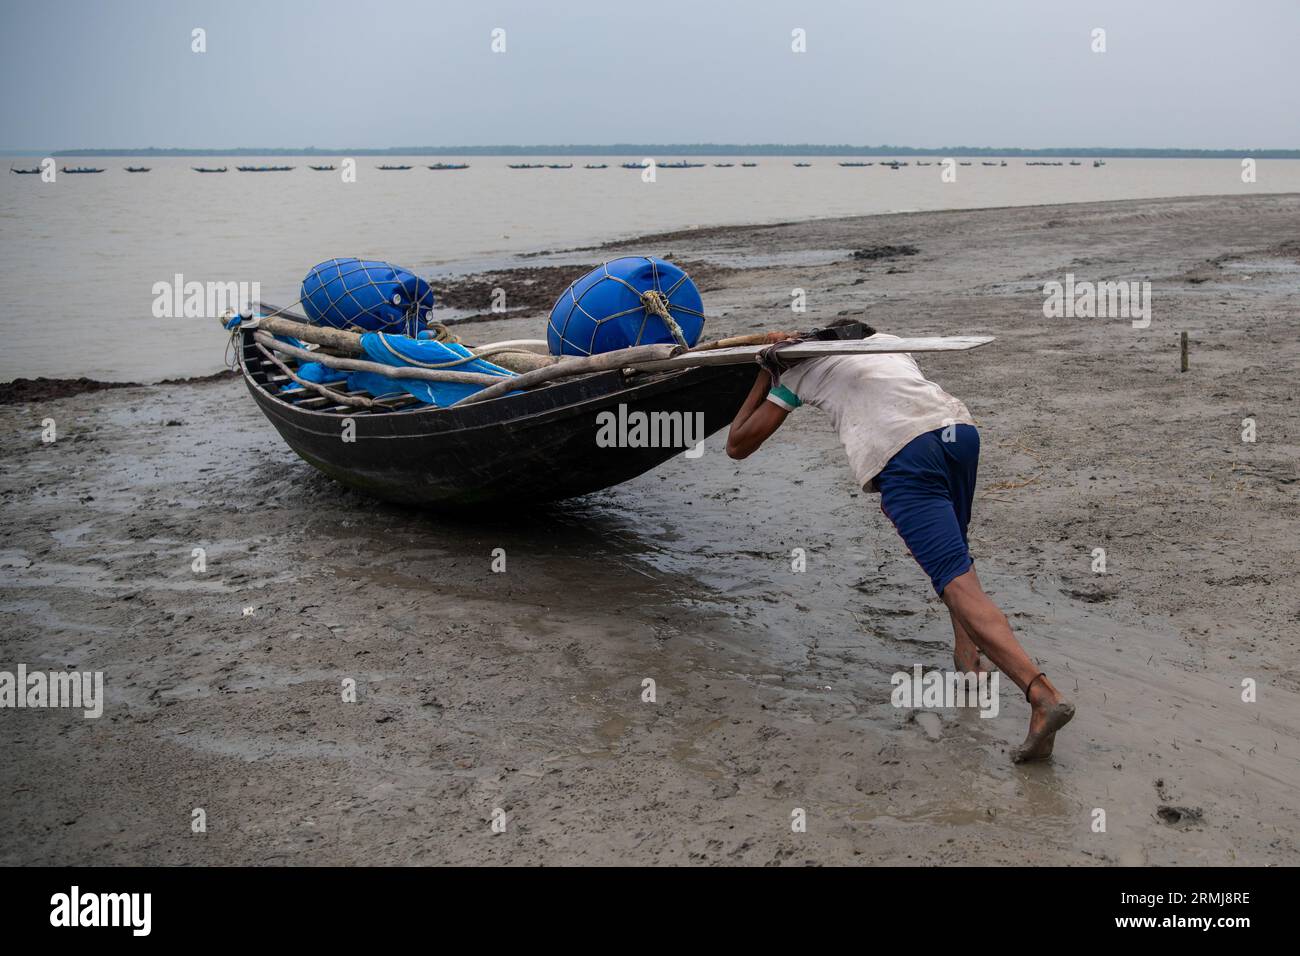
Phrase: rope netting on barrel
pixel 626 302
pixel 365 295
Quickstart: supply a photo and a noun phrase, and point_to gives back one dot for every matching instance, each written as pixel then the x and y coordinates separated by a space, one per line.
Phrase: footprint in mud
pixel 1178 816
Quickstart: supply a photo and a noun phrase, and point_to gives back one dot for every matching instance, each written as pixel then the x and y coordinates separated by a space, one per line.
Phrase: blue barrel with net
pixel 362 294
pixel 635 300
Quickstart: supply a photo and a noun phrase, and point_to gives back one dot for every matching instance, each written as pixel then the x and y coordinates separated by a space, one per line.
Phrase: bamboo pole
pixel 354 400
pixel 391 371
pixel 604 362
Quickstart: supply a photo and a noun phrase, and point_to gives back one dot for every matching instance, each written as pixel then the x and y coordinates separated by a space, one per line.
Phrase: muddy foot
pixel 1043 726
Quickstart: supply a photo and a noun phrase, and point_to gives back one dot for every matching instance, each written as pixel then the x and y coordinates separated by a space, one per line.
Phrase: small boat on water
pixel 263 169
pixel 79 170
pixel 855 164
pixel 803 165
pixel 526 165
pixel 35 171
pixel 321 169
pixel 919 163
pixel 138 169
pixel 450 166
pixel 559 165
pixel 1075 162
pixel 596 166
pixel 723 165
pixel 985 163
pixel 528 447
pixel 749 165
pixel 681 164
pixel 1098 162
pixel 208 169
pixel 963 164
pixel 392 168
pixel 636 165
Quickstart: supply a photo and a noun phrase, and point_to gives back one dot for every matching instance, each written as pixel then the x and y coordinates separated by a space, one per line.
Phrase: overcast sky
pixel 329 73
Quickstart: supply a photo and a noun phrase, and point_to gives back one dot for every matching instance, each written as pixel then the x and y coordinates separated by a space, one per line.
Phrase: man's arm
pixel 756 420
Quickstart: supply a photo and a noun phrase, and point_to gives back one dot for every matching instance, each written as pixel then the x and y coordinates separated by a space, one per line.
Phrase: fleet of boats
pixel 893 164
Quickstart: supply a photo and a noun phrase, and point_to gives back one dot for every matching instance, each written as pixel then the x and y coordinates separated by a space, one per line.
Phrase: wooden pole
pixel 392 371
pixel 604 362
pixel 1183 349
pixel 354 400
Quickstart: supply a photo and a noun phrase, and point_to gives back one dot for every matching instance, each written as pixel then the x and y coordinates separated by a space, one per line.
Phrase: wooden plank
pixel 746 354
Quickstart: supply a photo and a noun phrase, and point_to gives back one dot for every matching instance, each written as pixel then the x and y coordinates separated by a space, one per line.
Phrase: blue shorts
pixel 926 490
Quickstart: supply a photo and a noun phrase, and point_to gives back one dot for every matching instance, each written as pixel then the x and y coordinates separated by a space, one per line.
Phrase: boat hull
pixel 534 447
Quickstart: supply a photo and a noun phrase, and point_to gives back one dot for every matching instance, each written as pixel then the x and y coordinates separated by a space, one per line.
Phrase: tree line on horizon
pixel 702 149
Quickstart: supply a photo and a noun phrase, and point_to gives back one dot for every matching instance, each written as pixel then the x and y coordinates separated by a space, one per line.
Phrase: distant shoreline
pixel 693 149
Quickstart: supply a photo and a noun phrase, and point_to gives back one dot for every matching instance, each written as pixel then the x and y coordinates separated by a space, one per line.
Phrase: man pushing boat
pixel 917 447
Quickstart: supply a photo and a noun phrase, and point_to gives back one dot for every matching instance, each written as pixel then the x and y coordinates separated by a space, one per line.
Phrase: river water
pixel 83 254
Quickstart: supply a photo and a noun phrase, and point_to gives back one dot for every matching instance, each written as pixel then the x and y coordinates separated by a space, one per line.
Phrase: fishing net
pixel 625 302
pixel 372 296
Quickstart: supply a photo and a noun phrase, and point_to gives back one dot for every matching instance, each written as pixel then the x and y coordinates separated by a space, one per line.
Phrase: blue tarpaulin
pixel 401 351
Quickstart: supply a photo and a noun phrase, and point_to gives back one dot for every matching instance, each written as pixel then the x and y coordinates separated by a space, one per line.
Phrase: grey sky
pixel 1177 73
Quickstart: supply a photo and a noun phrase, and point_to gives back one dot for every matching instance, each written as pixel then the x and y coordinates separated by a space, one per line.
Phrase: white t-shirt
pixel 878 403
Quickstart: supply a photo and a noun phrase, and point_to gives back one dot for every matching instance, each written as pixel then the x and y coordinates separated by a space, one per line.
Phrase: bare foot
pixel 1050 713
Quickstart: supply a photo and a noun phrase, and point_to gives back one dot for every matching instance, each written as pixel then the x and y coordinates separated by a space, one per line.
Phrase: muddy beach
pixel 522 691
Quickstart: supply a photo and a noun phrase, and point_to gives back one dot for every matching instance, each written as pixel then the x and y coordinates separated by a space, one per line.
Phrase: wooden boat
pixel 450 166
pixel 392 168
pixel 531 447
pixel 636 165
pixel 526 165
pixel 137 169
pixel 263 169
pixel 79 170
pixel 749 165
pixel 801 165
pixel 855 164
pixel 596 166
pixel 680 165
pixel 36 171
pixel 208 169
pixel 321 169
pixel 559 165
pixel 724 165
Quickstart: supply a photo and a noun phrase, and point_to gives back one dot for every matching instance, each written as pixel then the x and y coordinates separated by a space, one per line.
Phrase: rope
pixel 656 303
pixel 773 363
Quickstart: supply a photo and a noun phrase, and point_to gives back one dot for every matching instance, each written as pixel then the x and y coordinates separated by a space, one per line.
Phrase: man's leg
pixel 990 631
pixel 965 655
